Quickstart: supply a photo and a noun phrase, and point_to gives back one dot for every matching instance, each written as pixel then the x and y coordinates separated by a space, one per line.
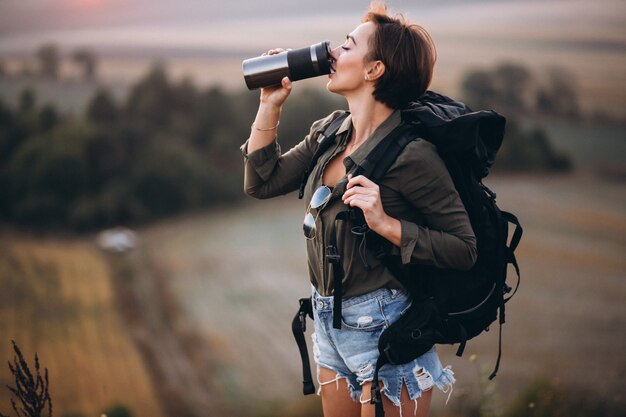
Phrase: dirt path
pixel 182 363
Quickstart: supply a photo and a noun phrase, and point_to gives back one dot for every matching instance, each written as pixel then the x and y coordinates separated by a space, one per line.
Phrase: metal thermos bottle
pixel 297 64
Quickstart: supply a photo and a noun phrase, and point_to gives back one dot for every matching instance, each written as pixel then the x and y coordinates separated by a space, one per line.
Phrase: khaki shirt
pixel 417 190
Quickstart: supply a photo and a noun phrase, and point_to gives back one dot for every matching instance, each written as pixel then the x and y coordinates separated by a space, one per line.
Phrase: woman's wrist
pixel 268 111
pixel 264 128
pixel 391 229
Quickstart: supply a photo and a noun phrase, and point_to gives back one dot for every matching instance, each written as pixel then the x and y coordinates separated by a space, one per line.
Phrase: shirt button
pixel 320 304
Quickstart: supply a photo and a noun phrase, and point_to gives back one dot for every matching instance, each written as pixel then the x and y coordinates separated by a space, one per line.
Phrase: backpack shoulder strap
pixel 380 159
pixel 325 140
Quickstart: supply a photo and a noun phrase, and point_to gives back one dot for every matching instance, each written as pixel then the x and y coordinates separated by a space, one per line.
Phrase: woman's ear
pixel 375 70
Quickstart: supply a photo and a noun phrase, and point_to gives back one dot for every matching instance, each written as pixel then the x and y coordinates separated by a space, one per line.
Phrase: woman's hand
pixel 365 194
pixel 276 95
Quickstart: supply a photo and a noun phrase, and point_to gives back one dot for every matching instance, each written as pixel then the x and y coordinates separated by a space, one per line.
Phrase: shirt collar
pixel 346 125
pixel 358 156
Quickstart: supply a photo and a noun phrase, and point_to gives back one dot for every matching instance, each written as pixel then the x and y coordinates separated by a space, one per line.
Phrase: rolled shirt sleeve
pixel 262 161
pixel 408 241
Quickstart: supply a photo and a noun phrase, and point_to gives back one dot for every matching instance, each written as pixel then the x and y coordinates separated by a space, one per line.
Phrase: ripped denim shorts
pixel 352 351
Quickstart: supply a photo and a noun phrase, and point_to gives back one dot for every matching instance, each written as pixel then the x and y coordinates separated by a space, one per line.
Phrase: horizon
pixel 206 40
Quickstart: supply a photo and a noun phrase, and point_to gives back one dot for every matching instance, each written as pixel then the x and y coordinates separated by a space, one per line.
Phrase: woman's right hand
pixel 276 95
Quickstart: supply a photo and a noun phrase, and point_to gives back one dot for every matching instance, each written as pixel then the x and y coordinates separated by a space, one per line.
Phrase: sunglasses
pixel 320 198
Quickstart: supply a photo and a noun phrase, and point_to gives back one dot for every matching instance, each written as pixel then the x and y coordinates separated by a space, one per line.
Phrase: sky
pixel 248 24
pixel 586 37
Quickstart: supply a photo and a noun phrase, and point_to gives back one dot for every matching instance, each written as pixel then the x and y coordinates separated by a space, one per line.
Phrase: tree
pixel 102 109
pixel 88 61
pixel 504 88
pixel 479 89
pixel 27 101
pixel 513 82
pixel 529 149
pixel 48 118
pixel 49 61
pixel 558 96
pixel 148 102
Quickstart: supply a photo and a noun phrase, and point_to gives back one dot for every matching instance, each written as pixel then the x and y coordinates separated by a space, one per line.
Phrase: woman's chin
pixel 331 86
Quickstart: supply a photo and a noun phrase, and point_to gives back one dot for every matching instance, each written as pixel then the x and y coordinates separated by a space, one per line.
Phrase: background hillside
pixel 132 113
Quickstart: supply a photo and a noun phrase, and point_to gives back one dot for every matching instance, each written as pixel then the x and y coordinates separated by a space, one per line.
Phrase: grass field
pixel 198 317
pixel 57 300
pixel 239 273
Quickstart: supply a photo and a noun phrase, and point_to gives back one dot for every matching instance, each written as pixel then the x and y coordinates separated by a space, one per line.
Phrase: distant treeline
pixel 514 90
pixel 166 148
pixel 48 60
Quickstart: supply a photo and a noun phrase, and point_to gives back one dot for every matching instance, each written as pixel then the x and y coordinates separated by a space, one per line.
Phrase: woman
pixel 383 65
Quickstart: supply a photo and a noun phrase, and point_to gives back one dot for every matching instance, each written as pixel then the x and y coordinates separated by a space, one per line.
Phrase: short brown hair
pixel 409 55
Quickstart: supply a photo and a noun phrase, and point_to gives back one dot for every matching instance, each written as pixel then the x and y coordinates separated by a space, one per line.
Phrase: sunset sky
pixel 247 24
pixel 588 38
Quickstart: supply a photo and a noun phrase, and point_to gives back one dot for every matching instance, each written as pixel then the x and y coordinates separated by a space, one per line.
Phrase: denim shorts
pixel 352 351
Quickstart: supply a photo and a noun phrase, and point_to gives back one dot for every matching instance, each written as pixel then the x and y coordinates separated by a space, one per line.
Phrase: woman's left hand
pixel 365 194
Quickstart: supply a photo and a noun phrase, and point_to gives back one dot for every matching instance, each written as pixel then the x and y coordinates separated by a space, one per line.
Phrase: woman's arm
pixel 268 173
pixel 263 129
pixel 448 240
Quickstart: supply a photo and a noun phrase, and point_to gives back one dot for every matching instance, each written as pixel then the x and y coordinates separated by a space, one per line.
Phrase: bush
pixel 118 410
pixel 524 150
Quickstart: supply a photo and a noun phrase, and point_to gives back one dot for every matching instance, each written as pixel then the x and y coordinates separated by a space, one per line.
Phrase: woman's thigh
pixel 336 399
pixel 419 407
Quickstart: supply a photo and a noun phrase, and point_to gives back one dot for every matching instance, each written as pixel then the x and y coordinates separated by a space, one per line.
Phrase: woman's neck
pixel 367 115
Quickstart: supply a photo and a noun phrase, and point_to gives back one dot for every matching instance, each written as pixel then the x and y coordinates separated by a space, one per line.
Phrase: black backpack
pixel 449 306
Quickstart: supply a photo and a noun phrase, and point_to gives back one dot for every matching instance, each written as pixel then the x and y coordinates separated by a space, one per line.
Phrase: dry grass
pixel 57 300
pixel 208 300
pixel 240 272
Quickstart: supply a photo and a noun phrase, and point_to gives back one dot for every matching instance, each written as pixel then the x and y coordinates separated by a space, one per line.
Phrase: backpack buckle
pixel 302 318
pixel 332 255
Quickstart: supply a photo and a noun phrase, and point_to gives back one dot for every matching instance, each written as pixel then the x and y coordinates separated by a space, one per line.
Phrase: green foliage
pixel 529 150
pixel 118 410
pixel 558 94
pixel 167 148
pixel 171 147
pixel 27 101
pixel 512 89
pixel 102 110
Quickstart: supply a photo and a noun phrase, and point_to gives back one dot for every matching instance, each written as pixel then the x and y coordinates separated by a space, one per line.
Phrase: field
pixel 199 315
pixel 240 272
pixel 57 299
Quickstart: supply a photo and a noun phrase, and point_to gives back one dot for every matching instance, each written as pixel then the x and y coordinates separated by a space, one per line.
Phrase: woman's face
pixel 349 63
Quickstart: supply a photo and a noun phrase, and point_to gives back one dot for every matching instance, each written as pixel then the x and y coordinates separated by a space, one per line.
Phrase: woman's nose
pixel 335 52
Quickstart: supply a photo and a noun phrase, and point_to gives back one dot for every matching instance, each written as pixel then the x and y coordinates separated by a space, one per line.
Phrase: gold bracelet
pixel 265 130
